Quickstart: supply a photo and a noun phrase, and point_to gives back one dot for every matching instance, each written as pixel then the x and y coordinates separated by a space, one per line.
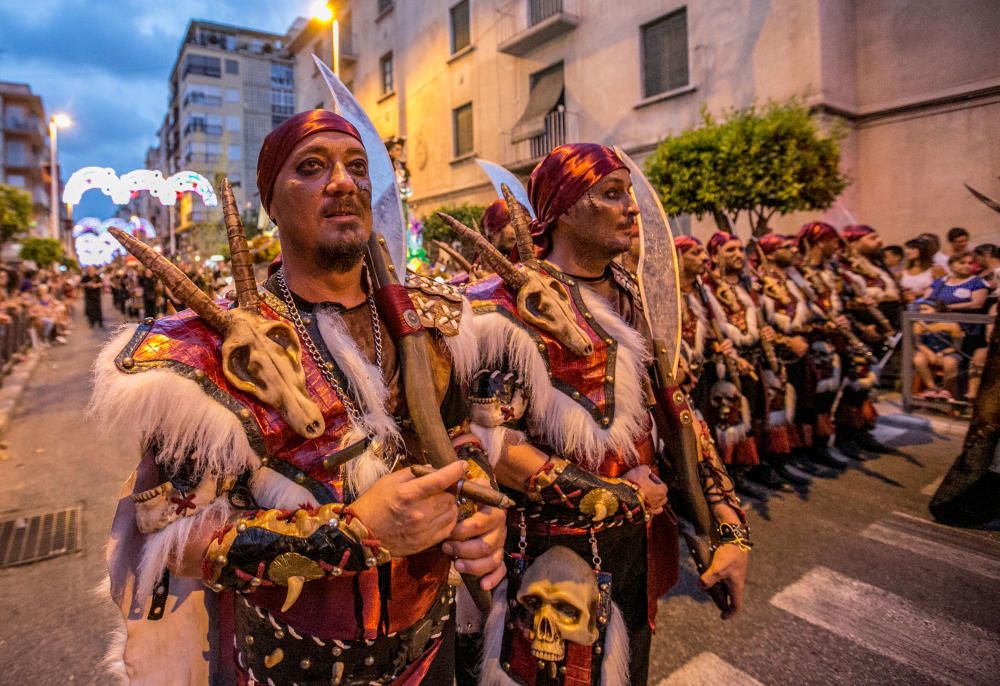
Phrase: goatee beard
pixel 340 257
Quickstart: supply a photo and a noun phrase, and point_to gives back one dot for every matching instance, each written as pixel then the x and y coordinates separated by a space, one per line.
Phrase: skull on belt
pixel 495 398
pixel 559 591
pixel 724 396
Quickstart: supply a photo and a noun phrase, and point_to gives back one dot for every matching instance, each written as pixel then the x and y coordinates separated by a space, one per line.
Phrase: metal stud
pixel 198 374
pixel 279 634
pixel 609 341
pixel 570 282
pixel 265 461
pixel 307 321
pixel 300 478
pixel 605 421
pixel 148 321
pixel 220 560
pixel 244 413
pixel 241 527
pixel 588 315
pixel 306 663
pixel 541 346
pixel 128 362
pixel 576 395
pixel 608 378
pixel 249 640
pixel 598 649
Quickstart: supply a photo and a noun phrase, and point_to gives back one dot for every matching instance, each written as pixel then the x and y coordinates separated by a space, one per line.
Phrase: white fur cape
pixel 552 416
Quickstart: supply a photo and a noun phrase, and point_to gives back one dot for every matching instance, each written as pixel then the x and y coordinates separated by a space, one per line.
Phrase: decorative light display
pixel 96 247
pixel 124 188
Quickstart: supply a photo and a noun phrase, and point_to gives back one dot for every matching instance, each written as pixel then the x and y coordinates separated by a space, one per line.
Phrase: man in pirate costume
pixel 562 404
pixel 842 357
pixel 772 400
pixel 270 534
pixel 863 253
pixel 497 226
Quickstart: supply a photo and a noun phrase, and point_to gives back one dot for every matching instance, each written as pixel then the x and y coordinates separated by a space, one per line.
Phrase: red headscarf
pixel 281 141
pixel 856 232
pixel 563 177
pixel 495 218
pixel 719 239
pixel 684 244
pixel 814 232
pixel 772 242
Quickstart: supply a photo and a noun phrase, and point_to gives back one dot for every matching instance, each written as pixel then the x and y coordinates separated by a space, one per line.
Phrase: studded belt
pixel 272 652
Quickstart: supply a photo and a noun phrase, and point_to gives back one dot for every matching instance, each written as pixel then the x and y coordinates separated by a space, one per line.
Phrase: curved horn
pixel 985 199
pixel 239 253
pixel 493 257
pixel 522 225
pixel 174 279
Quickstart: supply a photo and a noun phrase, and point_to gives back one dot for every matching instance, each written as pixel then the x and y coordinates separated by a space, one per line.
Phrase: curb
pixel 13 388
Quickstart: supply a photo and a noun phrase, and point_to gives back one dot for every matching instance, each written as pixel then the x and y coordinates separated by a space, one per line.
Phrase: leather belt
pixel 270 651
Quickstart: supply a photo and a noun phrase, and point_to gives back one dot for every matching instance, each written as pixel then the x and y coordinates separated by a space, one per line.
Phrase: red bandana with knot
pixel 278 145
pixel 814 232
pixel 719 239
pixel 495 218
pixel 773 242
pixel 856 232
pixel 562 178
pixel 685 244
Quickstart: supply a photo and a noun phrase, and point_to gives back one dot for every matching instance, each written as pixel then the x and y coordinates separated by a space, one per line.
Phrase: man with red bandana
pixel 831 288
pixel 863 250
pixel 243 552
pixel 577 452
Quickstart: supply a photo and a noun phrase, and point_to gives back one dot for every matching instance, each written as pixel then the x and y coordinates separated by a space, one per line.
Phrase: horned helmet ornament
pixel 542 300
pixel 260 356
pixel 559 591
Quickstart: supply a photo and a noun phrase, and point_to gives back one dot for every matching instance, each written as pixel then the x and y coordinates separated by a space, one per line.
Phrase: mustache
pixel 346 205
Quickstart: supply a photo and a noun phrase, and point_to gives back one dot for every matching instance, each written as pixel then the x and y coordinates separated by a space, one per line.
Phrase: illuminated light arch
pixel 121 189
pixel 96 247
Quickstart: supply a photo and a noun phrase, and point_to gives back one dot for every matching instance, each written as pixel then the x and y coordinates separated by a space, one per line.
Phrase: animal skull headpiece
pixel 559 590
pixel 260 356
pixel 542 300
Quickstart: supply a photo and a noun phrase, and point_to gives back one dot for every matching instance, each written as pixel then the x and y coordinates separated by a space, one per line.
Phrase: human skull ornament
pixel 777 291
pixel 822 354
pixel 724 396
pixel 559 591
pixel 544 302
pixel 262 357
pixel 495 398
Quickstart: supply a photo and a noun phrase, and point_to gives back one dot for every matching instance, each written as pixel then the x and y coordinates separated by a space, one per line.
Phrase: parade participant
pixel 771 401
pixel 271 433
pixel 93 287
pixel 855 417
pixel 863 252
pixel 563 398
pixel 497 226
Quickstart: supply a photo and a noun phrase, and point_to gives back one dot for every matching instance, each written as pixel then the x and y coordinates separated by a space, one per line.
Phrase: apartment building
pixel 24 148
pixel 914 83
pixel 228 88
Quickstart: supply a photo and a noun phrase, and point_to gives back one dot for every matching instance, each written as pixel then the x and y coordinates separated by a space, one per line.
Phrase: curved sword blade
pixel 387 208
pixel 658 268
pixel 501 175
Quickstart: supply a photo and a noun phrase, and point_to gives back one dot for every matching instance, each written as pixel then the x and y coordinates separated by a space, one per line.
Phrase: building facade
pixel 228 88
pixel 24 148
pixel 914 83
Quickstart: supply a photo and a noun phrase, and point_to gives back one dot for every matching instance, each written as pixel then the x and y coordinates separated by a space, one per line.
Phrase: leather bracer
pixel 276 547
pixel 603 500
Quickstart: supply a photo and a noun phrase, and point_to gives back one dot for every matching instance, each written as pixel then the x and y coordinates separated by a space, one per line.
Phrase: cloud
pixel 107 65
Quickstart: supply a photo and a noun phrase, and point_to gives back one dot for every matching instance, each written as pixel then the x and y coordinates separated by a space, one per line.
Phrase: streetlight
pixel 56 122
pixel 321 11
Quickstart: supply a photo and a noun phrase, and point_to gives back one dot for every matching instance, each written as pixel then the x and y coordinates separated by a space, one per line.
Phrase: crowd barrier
pixel 15 337
pixel 909 347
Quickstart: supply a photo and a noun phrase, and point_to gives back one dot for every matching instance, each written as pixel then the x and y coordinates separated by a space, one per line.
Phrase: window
pixel 233 123
pixel 235 153
pixel 460 26
pixel 232 67
pixel 17 180
pixel 385 68
pixel 198 94
pixel 203 65
pixel 665 54
pixel 232 95
pixel 461 120
pixel 282 76
pixel 384 5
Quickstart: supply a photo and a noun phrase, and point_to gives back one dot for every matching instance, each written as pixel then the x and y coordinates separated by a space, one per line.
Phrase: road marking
pixel 708 669
pixel 953 555
pixel 931 488
pixel 944 649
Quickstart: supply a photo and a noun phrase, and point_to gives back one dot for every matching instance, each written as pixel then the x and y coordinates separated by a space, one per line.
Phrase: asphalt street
pixel 850 582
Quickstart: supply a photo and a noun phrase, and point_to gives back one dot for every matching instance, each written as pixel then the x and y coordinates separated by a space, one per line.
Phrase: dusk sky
pixel 106 65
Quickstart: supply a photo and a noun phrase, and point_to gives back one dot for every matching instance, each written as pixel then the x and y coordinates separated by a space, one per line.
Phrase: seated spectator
pixel 963 291
pixel 892 258
pixel 937 347
pixel 987 256
pixel 920 270
pixel 958 239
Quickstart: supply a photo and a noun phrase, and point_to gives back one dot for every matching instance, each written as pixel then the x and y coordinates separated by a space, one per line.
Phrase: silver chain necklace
pixel 326 368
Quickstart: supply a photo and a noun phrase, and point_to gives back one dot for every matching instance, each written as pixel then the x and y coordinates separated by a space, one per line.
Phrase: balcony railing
pixel 202 157
pixel 526 24
pixel 207 129
pixel 560 128
pixel 202 99
pixel 21 125
pixel 20 160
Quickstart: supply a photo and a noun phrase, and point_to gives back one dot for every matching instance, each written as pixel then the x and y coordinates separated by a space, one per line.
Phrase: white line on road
pixel 708 669
pixel 944 649
pixel 961 557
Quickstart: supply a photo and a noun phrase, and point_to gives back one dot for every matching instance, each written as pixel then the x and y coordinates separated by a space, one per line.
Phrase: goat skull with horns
pixel 260 356
pixel 542 300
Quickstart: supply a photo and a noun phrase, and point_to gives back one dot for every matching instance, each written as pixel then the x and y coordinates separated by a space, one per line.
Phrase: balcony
pixel 20 160
pixel 528 24
pixel 207 129
pixel 28 126
pixel 560 128
pixel 202 99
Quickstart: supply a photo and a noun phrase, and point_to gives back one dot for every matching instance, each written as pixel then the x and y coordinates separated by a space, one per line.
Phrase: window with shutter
pixel 385 67
pixel 460 37
pixel 462 126
pixel 665 54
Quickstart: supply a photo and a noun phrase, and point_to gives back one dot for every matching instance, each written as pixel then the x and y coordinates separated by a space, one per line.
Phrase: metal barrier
pixel 909 318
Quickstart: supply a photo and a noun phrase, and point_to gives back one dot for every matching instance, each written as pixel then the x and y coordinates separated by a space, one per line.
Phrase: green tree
pixel 435 228
pixel 761 161
pixel 15 212
pixel 41 251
